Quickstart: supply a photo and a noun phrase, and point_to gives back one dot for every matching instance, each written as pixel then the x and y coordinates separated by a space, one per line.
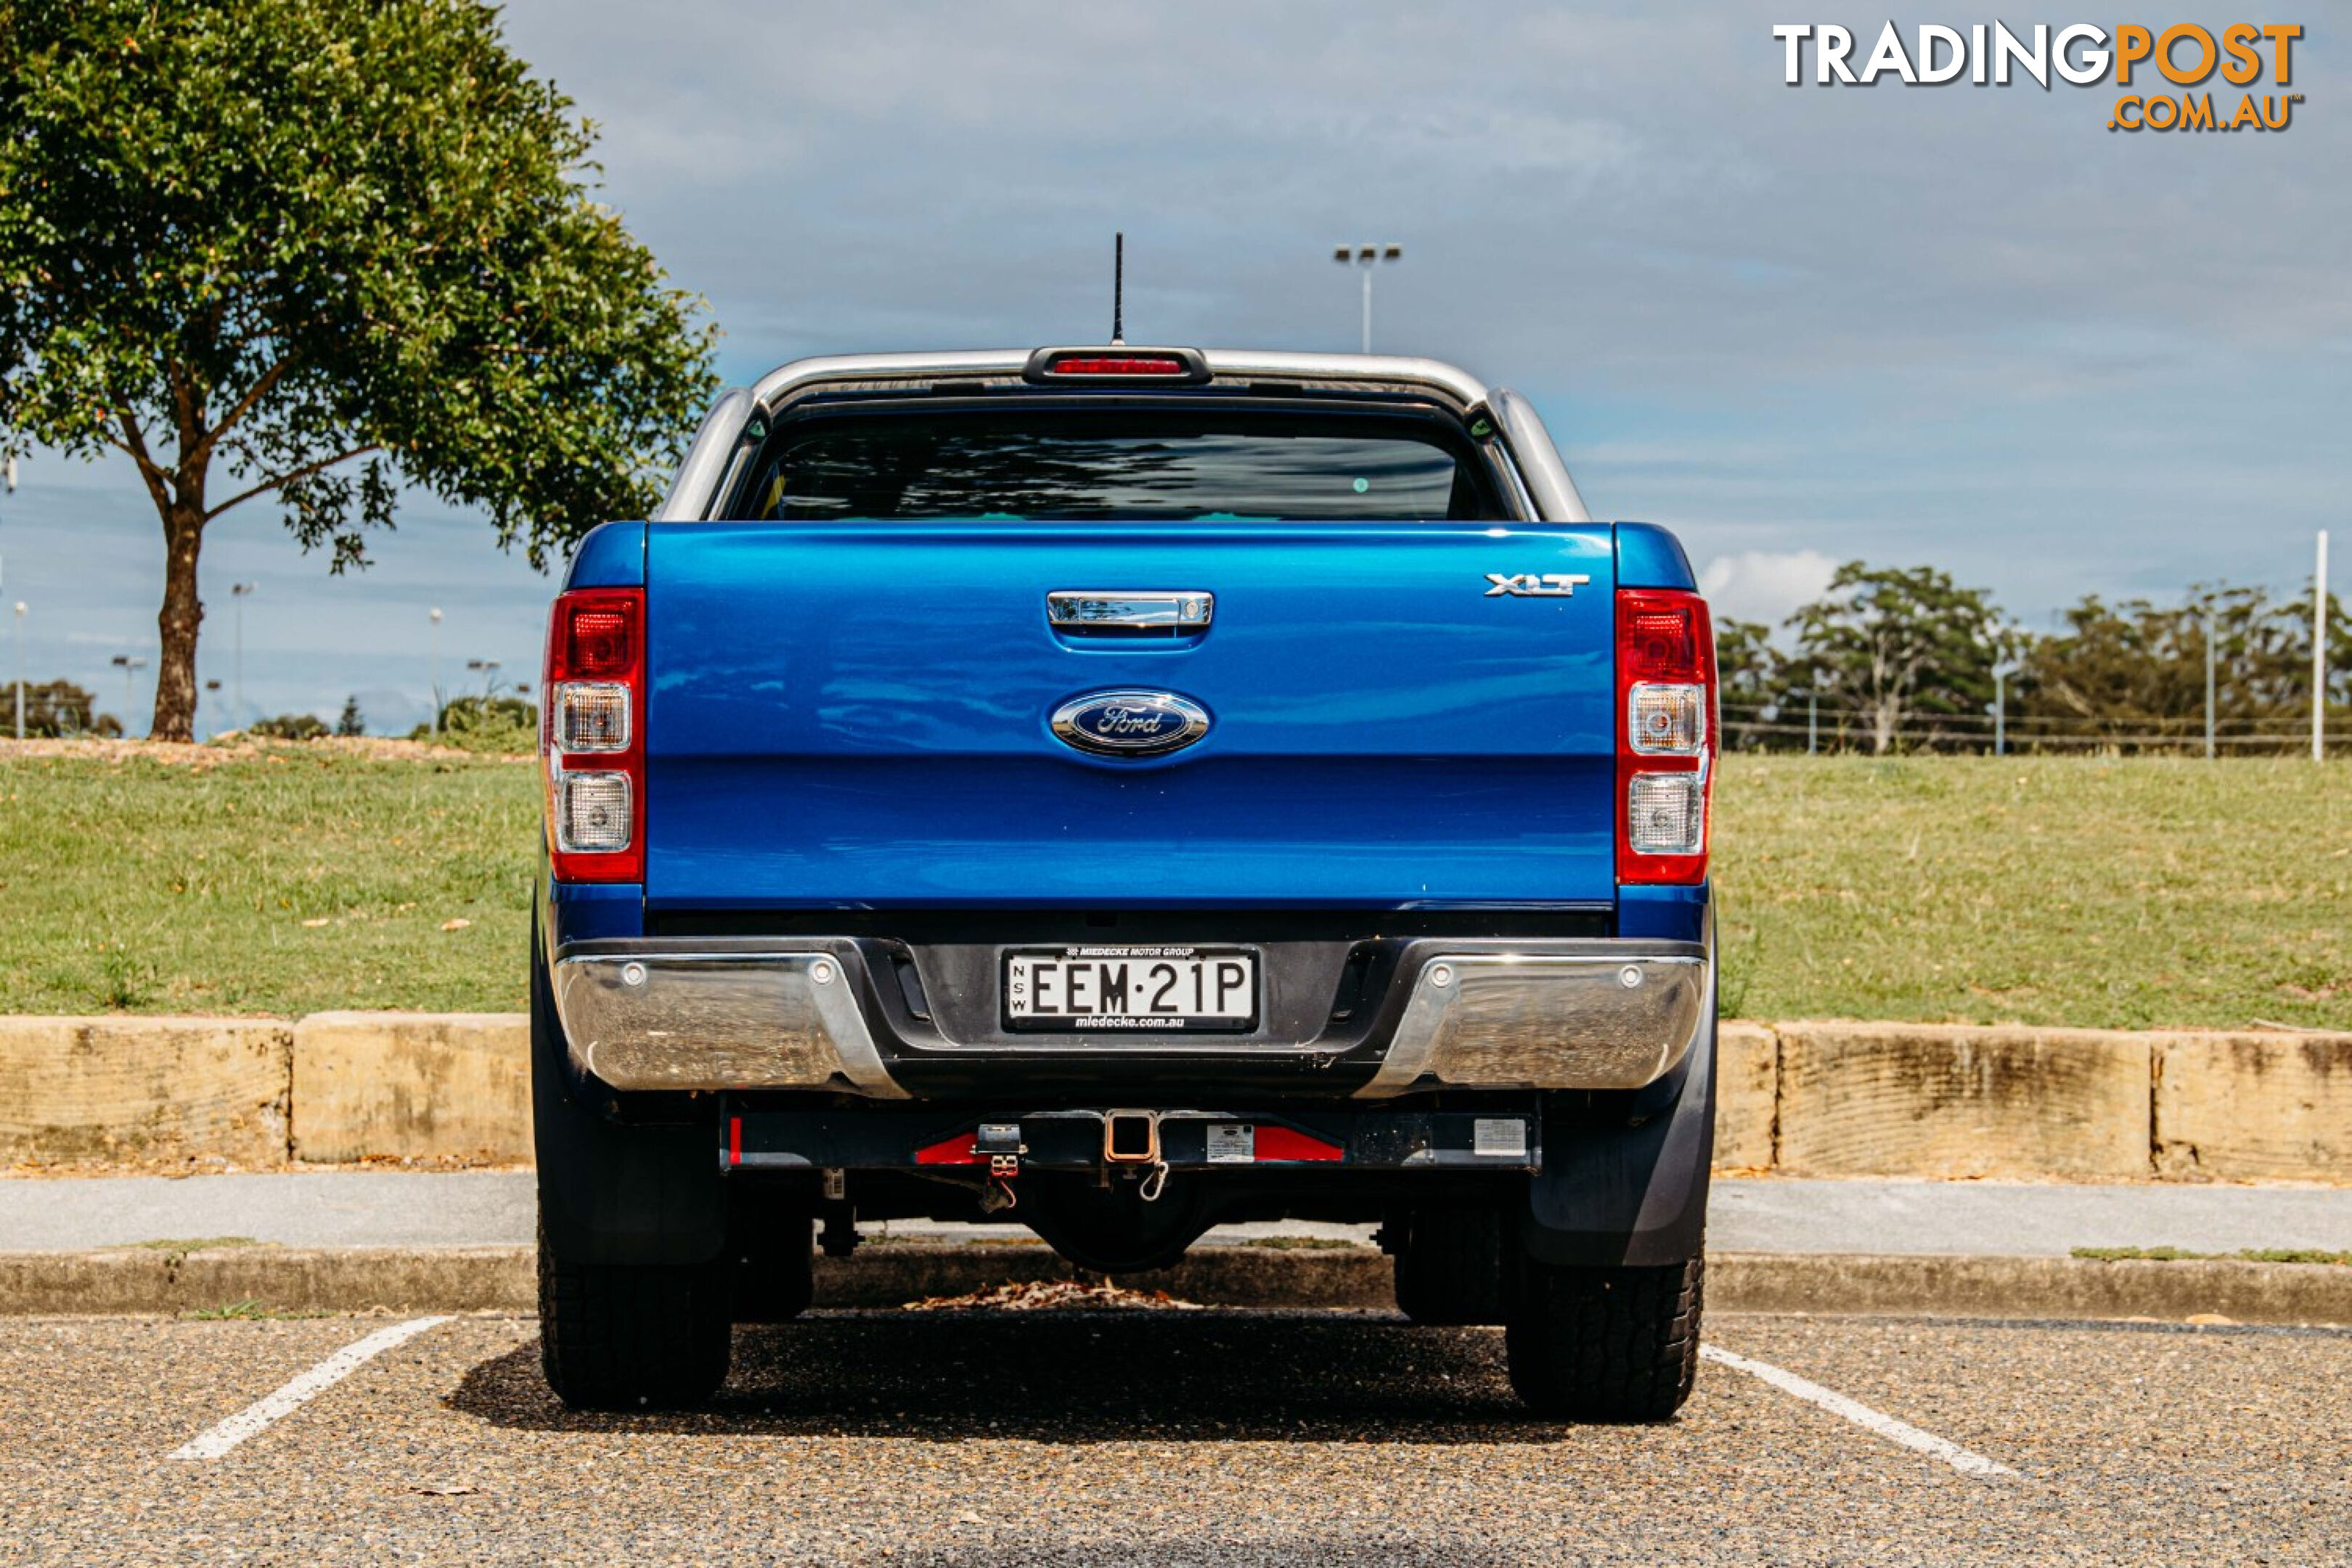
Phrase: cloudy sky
pixel 1963 326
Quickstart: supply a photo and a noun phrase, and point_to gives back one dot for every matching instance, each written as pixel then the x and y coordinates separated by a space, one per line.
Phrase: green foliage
pixel 1886 648
pixel 57 708
pixel 2135 671
pixel 351 721
pixel 288 727
pixel 502 725
pixel 1902 660
pixel 320 251
pixel 1752 673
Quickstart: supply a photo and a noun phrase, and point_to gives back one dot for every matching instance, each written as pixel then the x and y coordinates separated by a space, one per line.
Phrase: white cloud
pixel 1765 585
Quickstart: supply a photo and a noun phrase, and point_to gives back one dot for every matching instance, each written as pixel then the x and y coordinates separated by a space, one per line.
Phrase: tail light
pixel 593 735
pixel 1666 745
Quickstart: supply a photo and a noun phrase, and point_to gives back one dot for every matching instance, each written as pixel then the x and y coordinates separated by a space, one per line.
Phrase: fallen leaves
pixel 1045 1295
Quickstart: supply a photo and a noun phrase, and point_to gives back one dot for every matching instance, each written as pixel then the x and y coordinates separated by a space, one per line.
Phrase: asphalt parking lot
pixel 1175 1436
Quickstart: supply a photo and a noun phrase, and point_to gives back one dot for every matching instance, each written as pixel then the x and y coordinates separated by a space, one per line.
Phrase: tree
pixel 318 252
pixel 55 708
pixel 490 722
pixel 289 727
pixel 1750 676
pixel 2136 671
pixel 1892 646
pixel 351 722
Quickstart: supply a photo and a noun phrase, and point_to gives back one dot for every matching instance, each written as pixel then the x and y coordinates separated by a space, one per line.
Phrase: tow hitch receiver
pixel 1130 1138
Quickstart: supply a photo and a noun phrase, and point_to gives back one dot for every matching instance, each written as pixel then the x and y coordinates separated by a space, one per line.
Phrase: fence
pixel 1790 727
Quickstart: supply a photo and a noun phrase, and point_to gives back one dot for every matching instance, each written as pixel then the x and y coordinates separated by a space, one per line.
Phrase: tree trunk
pixel 175 670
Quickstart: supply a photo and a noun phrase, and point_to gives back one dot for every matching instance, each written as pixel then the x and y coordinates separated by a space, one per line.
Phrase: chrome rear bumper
pixel 1537 1020
pixel 721 1020
pixel 1570 1015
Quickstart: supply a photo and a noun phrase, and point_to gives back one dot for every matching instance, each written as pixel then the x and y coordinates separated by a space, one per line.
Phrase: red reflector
pixel 955 1150
pixel 599 642
pixel 734 1140
pixel 1104 365
pixel 1282 1143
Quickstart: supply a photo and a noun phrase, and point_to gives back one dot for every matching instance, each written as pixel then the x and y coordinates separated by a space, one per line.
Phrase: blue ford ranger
pixel 1122 791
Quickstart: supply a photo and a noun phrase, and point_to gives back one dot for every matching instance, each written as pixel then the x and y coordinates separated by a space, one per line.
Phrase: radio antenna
pixel 1119 288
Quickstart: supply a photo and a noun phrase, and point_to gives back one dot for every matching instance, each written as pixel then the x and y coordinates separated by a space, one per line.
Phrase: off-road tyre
pixel 1450 1266
pixel 632 1336
pixel 1605 1344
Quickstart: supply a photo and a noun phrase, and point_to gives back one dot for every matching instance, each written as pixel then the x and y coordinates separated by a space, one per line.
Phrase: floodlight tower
pixel 1367 257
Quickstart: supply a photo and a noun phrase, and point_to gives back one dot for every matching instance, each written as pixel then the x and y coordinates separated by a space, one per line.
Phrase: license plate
pixel 1131 988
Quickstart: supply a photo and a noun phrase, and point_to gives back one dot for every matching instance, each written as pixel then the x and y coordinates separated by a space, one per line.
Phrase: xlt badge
pixel 1530 585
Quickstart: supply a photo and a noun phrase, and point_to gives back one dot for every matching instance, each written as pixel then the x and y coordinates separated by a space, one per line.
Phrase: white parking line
pixel 214 1441
pixel 1961 1460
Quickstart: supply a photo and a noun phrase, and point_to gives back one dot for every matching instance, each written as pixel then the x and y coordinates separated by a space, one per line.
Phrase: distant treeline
pixel 1901 659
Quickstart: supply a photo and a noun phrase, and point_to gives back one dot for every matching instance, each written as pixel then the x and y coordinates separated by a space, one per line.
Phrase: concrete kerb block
pixel 412 1085
pixel 1746 1095
pixel 161 1087
pixel 1952 1100
pixel 2255 1106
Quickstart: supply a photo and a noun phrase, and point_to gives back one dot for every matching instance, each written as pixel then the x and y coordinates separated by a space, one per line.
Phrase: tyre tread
pixel 616 1337
pixel 1607 1344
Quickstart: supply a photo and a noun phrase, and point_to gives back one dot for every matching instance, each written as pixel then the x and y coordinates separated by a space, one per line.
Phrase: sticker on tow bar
pixel 1131 988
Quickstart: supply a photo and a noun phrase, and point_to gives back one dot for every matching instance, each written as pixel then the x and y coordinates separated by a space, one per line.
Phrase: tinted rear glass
pixel 1091 466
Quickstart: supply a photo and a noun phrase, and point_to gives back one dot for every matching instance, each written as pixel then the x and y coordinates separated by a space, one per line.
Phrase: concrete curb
pixel 142 1281
pixel 1801 1098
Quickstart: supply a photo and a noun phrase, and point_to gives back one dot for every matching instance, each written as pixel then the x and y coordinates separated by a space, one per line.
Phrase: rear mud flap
pixel 610 1193
pixel 1633 1197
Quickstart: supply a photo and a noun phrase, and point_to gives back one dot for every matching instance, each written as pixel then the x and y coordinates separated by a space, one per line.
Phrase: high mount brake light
pixel 593 735
pixel 1103 364
pixel 1117 363
pixel 1667 723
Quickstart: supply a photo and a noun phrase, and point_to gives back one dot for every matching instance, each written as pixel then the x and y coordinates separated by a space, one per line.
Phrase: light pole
pixel 213 687
pixel 489 672
pixel 237 593
pixel 131 667
pixel 436 667
pixel 20 660
pixel 1367 257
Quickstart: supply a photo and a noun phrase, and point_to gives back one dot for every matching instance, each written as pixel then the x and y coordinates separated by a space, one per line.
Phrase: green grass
pixel 249 1311
pixel 195 1243
pixel 2244 1255
pixel 2123 894
pixel 2127 894
pixel 297 880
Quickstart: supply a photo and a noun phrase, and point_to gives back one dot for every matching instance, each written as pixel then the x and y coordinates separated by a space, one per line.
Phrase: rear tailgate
pixel 860 715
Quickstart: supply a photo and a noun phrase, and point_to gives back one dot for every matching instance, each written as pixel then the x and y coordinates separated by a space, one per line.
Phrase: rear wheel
pixel 1605 1344
pixel 632 1336
pixel 1449 1265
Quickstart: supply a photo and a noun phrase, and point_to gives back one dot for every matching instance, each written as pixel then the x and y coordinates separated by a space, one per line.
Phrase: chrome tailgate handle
pixel 1111 611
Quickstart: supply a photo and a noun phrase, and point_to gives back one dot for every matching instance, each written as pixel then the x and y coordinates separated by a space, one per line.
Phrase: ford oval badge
pixel 1131 723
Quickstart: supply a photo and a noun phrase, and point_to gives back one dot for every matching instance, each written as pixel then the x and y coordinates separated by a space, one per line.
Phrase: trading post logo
pixel 2186 57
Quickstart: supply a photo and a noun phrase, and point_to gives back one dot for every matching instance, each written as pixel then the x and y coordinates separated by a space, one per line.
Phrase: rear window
pixel 1128 466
